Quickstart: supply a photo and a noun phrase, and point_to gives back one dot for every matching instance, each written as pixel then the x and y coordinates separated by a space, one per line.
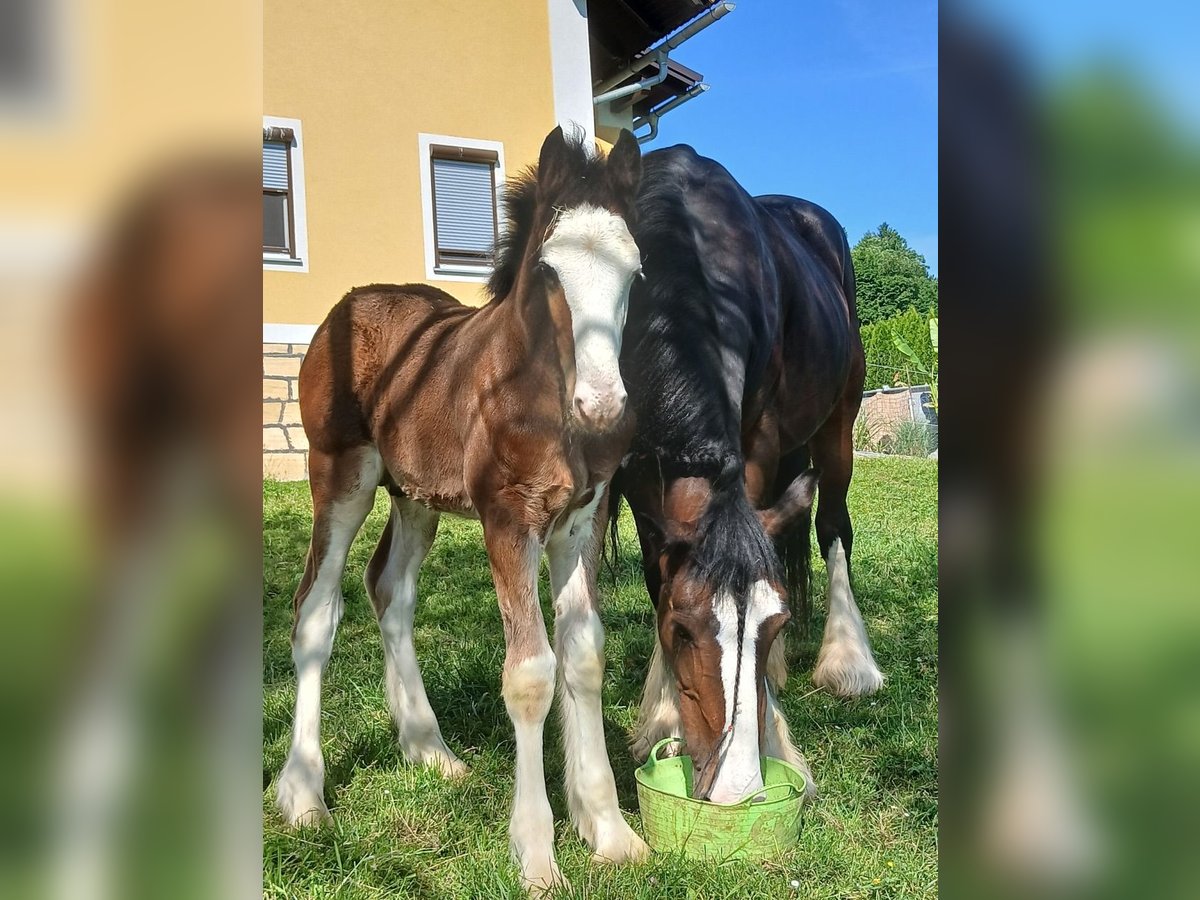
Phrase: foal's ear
pixel 795 503
pixel 624 168
pixel 555 165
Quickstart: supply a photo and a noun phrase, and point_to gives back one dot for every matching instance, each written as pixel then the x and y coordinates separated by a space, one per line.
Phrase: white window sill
pixel 478 274
pixel 277 262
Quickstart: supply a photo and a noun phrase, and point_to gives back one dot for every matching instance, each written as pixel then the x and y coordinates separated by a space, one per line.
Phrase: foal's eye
pixel 547 271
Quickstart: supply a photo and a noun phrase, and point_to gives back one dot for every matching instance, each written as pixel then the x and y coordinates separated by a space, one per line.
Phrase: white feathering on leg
pixel 845 666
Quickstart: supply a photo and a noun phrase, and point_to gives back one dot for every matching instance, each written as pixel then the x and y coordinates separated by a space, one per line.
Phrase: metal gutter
pixel 651 118
pixel 659 57
pixel 604 90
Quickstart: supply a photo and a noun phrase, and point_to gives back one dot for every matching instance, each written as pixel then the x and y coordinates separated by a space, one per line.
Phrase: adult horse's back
pixel 742 361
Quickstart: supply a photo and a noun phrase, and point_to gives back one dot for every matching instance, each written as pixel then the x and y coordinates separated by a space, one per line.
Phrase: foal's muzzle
pixel 599 410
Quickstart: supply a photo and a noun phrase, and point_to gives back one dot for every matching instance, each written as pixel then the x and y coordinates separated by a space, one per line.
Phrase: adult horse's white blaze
pixel 738 768
pixel 595 259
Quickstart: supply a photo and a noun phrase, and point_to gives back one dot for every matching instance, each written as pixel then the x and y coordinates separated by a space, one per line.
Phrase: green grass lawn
pixel 400 831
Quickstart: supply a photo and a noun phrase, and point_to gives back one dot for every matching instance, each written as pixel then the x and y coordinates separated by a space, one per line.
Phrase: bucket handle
pixel 653 758
pixel 792 792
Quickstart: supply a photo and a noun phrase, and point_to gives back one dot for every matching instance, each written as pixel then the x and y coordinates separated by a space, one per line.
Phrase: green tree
pixel 891 277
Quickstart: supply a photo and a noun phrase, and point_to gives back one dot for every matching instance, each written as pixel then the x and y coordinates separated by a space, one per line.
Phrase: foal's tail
pixel 794 545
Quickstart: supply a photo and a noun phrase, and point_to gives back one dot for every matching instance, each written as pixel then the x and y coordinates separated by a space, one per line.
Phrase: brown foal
pixel 513 413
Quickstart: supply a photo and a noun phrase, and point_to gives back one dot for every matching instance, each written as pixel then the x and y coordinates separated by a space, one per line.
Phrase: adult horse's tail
pixel 610 546
pixel 794 546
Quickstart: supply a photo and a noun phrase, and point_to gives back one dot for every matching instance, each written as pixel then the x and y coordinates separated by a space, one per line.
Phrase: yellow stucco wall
pixel 365 78
pixel 133 99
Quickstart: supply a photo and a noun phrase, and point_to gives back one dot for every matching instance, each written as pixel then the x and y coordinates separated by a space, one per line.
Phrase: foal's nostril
pixel 580 410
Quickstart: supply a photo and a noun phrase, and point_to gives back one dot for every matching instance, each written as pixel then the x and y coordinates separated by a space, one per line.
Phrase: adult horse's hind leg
pixel 845 665
pixel 573 549
pixel 343 489
pixel 391 580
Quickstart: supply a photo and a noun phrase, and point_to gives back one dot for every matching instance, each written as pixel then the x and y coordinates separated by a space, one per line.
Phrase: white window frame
pixel 282 262
pixel 461 271
pixel 288 333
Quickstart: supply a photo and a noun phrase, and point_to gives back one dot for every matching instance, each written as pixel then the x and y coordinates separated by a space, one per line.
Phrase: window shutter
pixel 275 166
pixel 464 200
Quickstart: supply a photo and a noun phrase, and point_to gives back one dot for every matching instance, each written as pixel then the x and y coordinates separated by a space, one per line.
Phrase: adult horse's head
pixel 572 220
pixel 720 607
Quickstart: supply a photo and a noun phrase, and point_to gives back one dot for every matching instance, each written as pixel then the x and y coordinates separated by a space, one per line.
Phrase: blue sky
pixel 831 100
pixel 1157 45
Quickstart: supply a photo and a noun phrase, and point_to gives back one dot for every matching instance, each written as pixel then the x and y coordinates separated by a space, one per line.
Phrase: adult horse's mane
pixel 732 551
pixel 678 335
pixel 520 211
pixel 683 330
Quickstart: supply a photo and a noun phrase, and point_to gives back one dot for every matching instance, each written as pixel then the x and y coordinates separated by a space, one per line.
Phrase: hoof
pixel 640 749
pixel 621 848
pixel 451 767
pixel 438 757
pixel 644 743
pixel 847 670
pixel 544 881
pixel 298 795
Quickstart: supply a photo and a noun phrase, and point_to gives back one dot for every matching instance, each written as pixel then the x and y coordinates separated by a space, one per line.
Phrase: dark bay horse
pixel 513 413
pixel 743 362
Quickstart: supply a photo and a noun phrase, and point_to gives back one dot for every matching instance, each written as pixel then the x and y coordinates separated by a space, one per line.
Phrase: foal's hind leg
pixel 845 665
pixel 574 550
pixel 391 581
pixel 343 489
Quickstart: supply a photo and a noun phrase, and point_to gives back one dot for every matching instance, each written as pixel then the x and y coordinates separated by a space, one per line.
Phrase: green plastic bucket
pixel 749 829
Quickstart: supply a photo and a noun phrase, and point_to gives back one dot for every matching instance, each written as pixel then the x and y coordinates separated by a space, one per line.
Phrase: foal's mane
pixel 521 210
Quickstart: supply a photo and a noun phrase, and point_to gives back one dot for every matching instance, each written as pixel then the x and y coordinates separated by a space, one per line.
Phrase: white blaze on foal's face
pixel 738 767
pixel 595 258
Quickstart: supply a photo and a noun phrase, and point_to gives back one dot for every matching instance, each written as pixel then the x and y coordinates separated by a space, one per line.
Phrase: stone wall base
pixel 285 446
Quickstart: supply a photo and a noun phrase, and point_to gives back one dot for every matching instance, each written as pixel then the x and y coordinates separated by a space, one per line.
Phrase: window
pixel 285 236
pixel 464 206
pixel 34 62
pixel 278 228
pixel 461 181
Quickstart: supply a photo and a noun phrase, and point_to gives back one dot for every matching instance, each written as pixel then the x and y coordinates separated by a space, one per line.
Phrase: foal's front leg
pixel 528 689
pixel 573 550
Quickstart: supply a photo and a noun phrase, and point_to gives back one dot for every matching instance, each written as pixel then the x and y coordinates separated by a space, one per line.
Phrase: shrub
pixel 862 434
pixel 887 364
pixel 912 439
